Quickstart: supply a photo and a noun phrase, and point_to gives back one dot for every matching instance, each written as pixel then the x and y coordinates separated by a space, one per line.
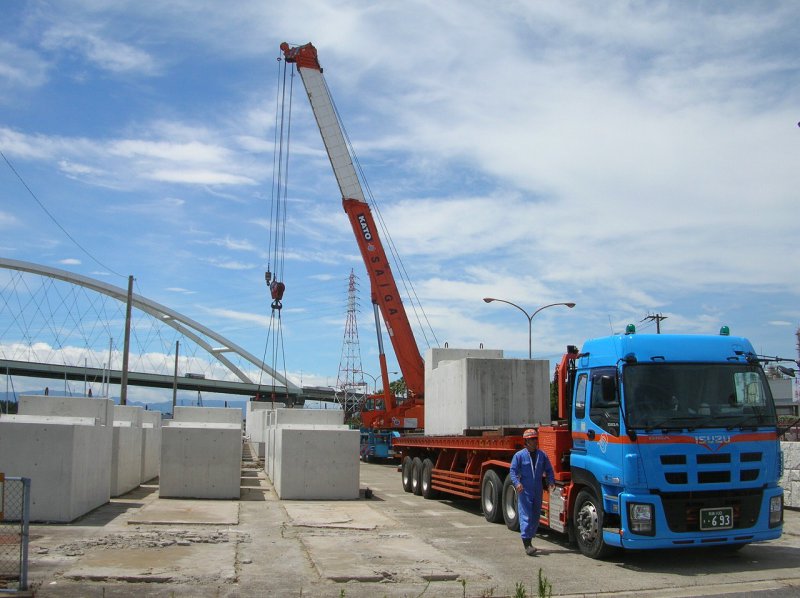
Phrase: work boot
pixel 530 550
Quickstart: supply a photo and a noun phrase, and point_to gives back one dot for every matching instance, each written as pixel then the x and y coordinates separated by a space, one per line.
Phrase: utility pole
pixel 123 391
pixel 657 318
pixel 175 377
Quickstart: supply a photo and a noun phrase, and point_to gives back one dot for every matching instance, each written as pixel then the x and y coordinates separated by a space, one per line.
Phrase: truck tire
pixel 491 497
pixel 407 470
pixel 427 480
pixel 510 513
pixel 416 476
pixel 588 522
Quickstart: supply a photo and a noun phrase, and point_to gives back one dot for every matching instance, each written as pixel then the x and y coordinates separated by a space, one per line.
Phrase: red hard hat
pixel 530 433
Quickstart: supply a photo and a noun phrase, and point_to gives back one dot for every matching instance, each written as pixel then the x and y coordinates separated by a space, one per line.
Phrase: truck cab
pixel 674 443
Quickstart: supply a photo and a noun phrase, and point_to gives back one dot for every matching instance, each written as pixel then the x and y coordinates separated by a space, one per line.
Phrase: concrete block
pixel 435 356
pixel 126 457
pixel 102 409
pixel 316 462
pixel 200 460
pixel 255 407
pixel 67 458
pixel 280 416
pixel 477 393
pixel 151 445
pixel 220 415
pixel 128 413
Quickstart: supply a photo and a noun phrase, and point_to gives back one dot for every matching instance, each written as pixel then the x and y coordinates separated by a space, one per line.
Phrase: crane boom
pixel 384 288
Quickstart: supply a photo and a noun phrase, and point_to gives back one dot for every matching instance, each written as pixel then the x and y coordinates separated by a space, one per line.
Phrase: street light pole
pixel 569 304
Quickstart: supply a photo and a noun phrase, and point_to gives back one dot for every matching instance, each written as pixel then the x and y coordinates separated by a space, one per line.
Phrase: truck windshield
pixel 689 396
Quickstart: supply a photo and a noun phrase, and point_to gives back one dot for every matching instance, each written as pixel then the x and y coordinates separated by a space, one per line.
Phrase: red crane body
pixel 385 294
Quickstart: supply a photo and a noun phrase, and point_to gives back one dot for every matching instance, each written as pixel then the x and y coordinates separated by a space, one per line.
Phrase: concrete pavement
pixel 395 544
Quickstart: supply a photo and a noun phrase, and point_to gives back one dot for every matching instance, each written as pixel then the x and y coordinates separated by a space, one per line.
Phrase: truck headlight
pixel 776 511
pixel 641 519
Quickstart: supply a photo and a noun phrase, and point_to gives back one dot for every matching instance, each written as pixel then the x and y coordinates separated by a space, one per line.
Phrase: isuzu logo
pixel 362 220
pixel 713 442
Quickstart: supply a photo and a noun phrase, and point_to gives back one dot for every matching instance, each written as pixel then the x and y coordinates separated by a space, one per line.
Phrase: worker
pixel 528 466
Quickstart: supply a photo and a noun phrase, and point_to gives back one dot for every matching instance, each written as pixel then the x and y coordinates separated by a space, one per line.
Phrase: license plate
pixel 716 518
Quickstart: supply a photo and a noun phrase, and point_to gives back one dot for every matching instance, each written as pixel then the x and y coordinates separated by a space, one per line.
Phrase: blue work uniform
pixel 529 469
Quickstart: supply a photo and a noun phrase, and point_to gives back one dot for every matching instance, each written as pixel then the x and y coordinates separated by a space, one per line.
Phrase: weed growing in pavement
pixel 519 590
pixel 545 587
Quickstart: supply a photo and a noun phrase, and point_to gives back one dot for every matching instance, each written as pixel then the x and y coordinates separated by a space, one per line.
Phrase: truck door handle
pixel 590 434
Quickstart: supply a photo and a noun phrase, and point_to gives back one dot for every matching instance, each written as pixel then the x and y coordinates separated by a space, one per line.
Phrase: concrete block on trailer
pixel 200 460
pixel 316 462
pixel 478 393
pixel 67 458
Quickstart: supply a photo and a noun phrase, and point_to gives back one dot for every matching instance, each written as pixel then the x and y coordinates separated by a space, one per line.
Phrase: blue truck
pixel 662 441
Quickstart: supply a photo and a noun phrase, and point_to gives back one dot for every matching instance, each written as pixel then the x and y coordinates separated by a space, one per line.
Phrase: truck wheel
pixel 416 476
pixel 491 493
pixel 588 518
pixel 510 513
pixel 427 480
pixel 407 470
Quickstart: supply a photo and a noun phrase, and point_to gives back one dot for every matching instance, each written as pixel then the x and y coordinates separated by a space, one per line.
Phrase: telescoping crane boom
pixel 385 294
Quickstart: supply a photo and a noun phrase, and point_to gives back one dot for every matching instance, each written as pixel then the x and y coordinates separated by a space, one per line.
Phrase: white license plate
pixel 721 518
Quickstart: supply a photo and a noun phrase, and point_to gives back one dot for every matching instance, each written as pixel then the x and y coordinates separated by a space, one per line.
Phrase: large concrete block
pixel 126 457
pixel 435 356
pixel 151 444
pixel 102 409
pixel 316 462
pixel 477 393
pixel 67 458
pixel 308 417
pixel 208 415
pixel 258 409
pixel 200 460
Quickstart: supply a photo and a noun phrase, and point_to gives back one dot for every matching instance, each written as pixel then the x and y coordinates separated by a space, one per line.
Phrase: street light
pixel 374 378
pixel 569 304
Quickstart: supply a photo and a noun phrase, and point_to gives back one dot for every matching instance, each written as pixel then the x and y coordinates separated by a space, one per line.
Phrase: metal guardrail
pixel 15 509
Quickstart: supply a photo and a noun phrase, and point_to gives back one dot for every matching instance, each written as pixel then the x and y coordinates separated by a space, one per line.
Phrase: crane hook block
pixel 276 289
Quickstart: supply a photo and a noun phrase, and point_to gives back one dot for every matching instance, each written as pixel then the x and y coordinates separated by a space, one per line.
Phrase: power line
pixel 46 211
pixel 655 318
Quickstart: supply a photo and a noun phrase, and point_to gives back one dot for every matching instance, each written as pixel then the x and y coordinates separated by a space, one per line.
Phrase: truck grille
pixel 682 509
pixel 711 468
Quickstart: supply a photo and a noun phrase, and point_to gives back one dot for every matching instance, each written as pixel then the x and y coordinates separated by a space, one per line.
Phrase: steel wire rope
pixel 56 222
pixel 405 278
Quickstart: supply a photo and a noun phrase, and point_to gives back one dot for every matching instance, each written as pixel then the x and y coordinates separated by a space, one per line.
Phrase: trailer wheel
pixel 416 476
pixel 588 517
pixel 427 480
pixel 491 493
pixel 407 470
pixel 510 513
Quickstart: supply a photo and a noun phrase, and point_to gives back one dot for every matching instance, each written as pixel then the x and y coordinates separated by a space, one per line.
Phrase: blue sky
pixel 632 157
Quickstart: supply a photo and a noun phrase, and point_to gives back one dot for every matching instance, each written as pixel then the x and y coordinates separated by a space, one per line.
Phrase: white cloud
pixel 70 262
pixel 107 54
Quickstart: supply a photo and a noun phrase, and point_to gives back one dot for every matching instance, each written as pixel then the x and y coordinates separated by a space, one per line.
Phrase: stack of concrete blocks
pixel 151 445
pixel 64 445
pixel 790 482
pixel 201 453
pixel 477 388
pixel 126 449
pixel 313 455
pixel 256 415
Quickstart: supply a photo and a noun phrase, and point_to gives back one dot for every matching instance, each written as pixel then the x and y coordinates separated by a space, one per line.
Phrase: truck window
pixel 692 395
pixel 580 397
pixel 604 400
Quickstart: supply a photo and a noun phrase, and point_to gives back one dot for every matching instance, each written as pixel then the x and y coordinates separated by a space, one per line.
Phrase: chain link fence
pixel 14 520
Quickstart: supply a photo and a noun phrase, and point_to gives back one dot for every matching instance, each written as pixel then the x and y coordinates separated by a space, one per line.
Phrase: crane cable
pixel 277 226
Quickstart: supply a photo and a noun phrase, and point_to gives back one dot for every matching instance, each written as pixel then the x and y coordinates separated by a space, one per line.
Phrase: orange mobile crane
pixel 378 423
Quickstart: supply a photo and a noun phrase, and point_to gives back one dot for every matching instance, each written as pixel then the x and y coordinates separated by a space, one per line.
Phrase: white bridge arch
pixel 183 324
